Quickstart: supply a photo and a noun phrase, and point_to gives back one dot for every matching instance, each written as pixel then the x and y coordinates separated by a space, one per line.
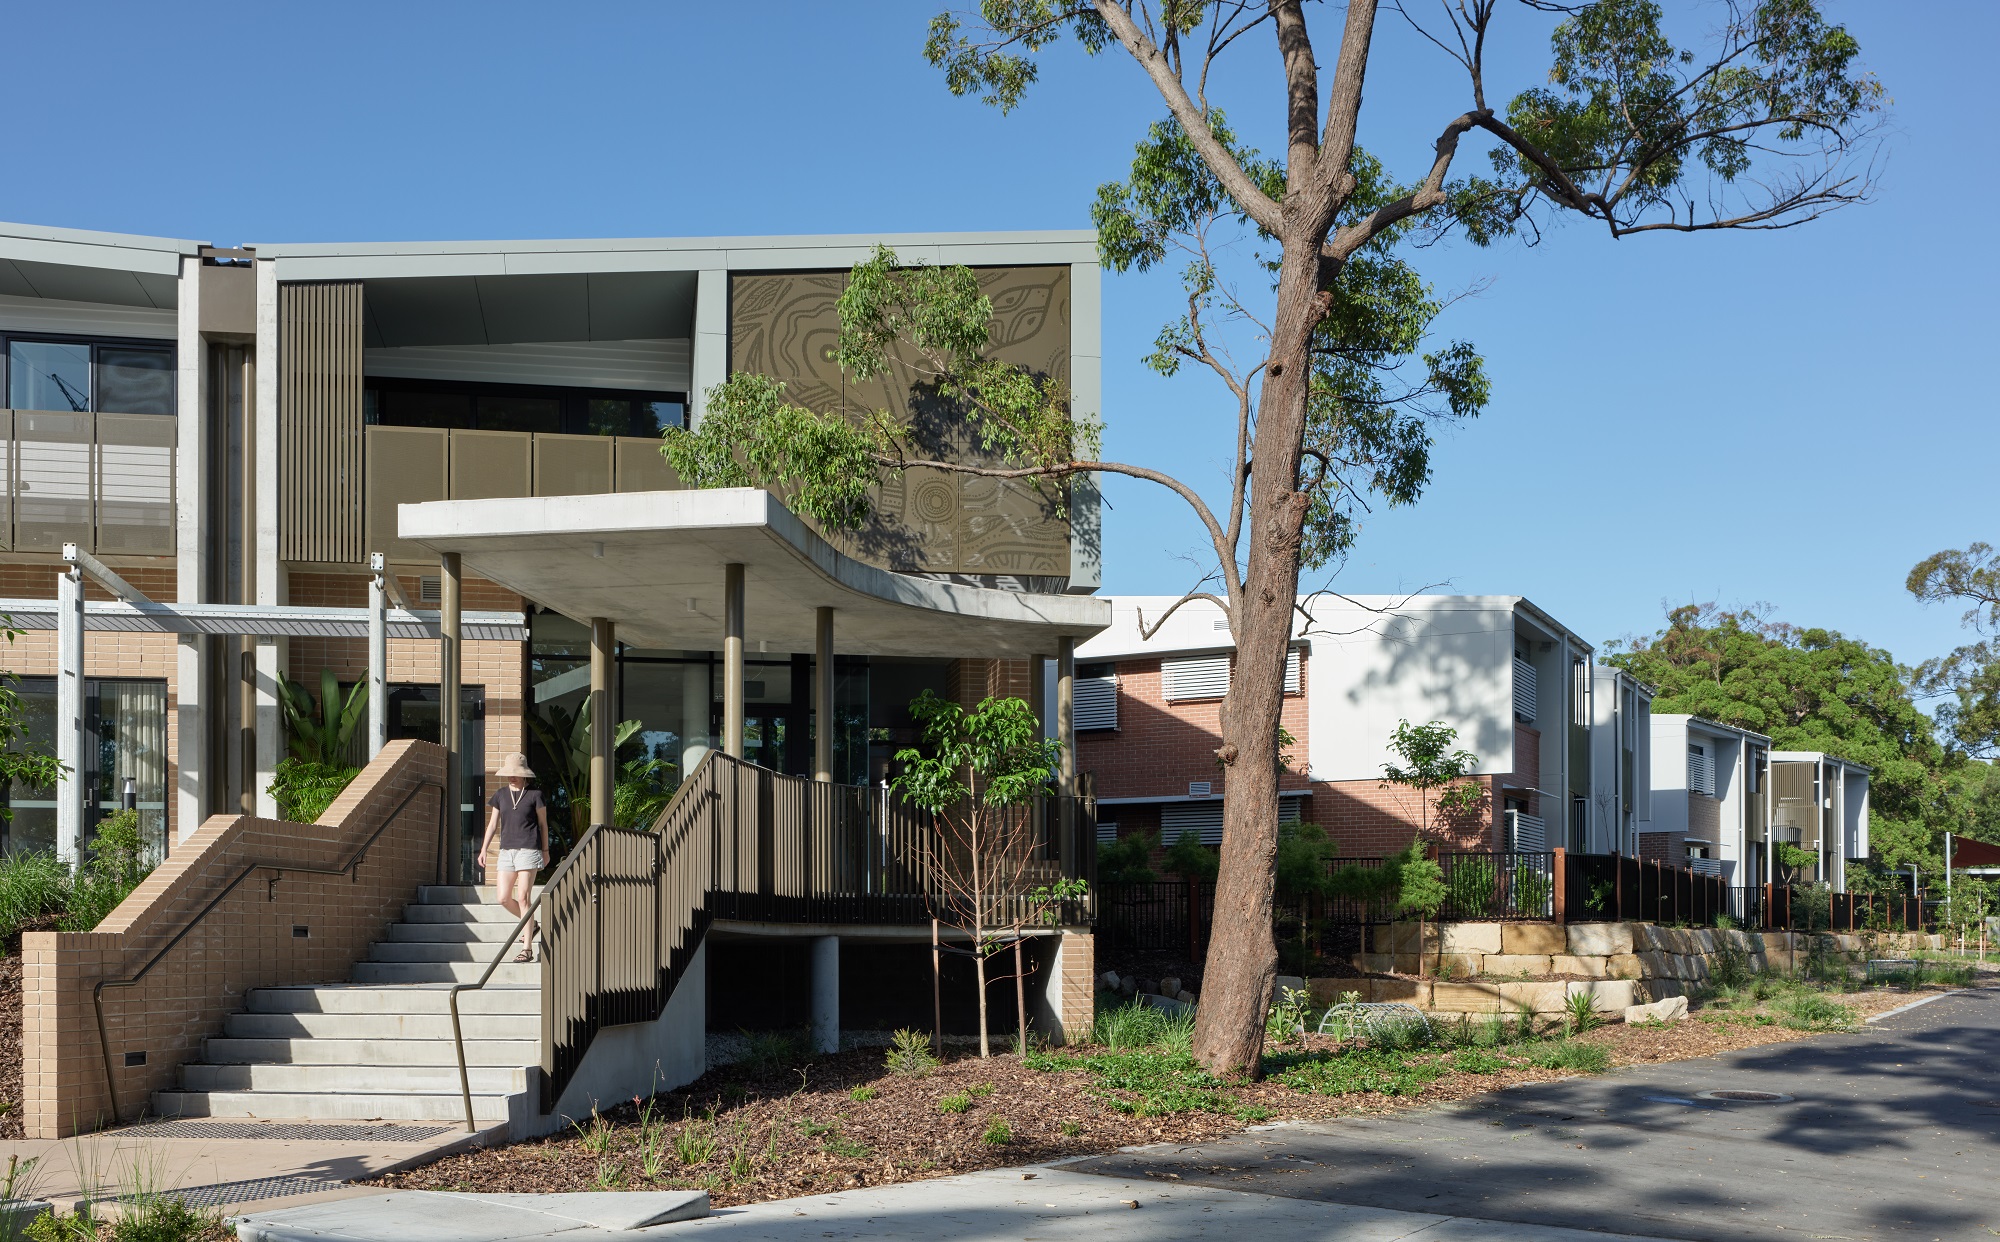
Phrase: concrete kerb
pixel 447 1216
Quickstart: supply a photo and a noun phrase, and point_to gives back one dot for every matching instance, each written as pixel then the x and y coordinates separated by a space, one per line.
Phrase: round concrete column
pixel 826 994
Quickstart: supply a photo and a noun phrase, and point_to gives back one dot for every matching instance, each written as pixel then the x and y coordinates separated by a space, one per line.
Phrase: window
pixel 521 408
pixel 125 735
pixel 1107 831
pixel 1701 770
pixel 1203 819
pixel 1195 677
pixel 1292 671
pixel 80 375
pixel 1095 702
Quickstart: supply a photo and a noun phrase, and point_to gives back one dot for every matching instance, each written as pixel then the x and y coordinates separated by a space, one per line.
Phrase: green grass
pixel 1563 1054
pixel 1809 1011
pixel 998 1132
pixel 956 1102
pixel 1133 1025
pixel 1384 1071
pixel 862 1094
pixel 1478 1061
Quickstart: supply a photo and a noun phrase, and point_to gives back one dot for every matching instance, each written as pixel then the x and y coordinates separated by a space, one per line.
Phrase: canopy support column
pixel 1066 736
pixel 603 640
pixel 70 792
pixel 450 730
pixel 823 723
pixel 732 660
pixel 378 659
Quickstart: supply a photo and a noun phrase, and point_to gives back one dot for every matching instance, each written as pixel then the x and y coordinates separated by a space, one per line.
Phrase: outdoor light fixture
pixel 130 799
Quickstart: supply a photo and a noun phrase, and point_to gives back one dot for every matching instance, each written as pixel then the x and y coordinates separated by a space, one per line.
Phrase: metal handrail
pixel 534 904
pixel 348 868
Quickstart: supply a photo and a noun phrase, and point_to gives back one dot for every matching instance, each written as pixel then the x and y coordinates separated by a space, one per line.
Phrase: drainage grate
pixel 281 1131
pixel 1747 1097
pixel 219 1193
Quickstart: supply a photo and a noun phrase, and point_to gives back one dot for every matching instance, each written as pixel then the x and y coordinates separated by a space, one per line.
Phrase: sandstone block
pixel 1654 964
pixel 1594 967
pixel 1450 965
pixel 1624 966
pixel 1407 991
pixel 1286 983
pixel 1517 939
pixel 1611 995
pixel 1672 1009
pixel 1470 938
pixel 1515 963
pixel 1704 940
pixel 1599 939
pixel 1466 997
pixel 1402 938
pixel 1185 997
pixel 1170 986
pixel 1109 981
pixel 1545 997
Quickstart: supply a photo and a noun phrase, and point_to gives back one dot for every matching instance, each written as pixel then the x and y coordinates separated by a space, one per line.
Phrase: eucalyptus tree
pixel 1768 125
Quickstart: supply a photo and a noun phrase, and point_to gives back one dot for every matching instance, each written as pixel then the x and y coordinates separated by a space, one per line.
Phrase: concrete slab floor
pixel 223 1173
pixel 1046 1204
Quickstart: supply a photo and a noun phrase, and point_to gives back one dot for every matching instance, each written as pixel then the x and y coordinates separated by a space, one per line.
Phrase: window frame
pixel 9 335
pixel 574 403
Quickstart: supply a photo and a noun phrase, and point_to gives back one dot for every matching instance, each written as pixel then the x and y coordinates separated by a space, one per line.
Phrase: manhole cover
pixel 1747 1097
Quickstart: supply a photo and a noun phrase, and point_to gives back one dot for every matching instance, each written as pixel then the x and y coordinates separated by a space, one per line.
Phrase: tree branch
pixel 1418 201
pixel 1254 202
pixel 1146 632
pixel 1343 101
pixel 1301 93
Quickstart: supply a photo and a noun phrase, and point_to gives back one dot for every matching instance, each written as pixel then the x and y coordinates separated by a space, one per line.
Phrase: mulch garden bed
pixel 748 1134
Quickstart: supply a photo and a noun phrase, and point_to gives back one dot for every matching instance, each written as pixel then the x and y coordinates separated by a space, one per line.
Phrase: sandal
pixel 525 955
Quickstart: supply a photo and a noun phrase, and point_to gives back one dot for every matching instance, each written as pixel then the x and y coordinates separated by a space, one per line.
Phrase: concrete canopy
pixel 652 562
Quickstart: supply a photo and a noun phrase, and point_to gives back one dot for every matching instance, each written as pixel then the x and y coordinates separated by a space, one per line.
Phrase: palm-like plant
pixel 320 733
pixel 565 735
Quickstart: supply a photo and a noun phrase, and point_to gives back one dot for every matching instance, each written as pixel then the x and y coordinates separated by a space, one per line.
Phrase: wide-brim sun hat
pixel 516 764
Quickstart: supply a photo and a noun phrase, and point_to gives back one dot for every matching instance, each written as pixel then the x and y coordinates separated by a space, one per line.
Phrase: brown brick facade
pixel 386 824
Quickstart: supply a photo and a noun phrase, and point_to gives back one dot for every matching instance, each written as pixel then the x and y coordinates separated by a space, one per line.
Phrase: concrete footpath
pixel 1048 1204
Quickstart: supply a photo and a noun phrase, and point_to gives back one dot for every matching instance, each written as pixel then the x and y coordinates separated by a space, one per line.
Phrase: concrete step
pixel 481 932
pixel 352 1079
pixel 505 1053
pixel 499 997
pixel 315 1106
pixel 524 974
pixel 457 914
pixel 460 894
pixel 480 951
pixel 385 1026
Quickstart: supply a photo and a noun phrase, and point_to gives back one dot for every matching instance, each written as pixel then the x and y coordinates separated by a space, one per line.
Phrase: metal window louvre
pixel 1195 677
pixel 1292 671
pixel 1526 832
pixel 1524 691
pixel 1095 703
pixel 1107 831
pixel 1701 772
pixel 1204 819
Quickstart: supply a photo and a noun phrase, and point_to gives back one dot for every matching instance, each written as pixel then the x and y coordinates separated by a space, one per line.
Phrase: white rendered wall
pixel 1670 774
pixel 638 1058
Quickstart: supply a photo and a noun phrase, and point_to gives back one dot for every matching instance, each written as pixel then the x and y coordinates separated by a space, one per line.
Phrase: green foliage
pixel 119 859
pixel 1474 887
pixel 1134 1025
pixel 1532 890
pixel 1563 1054
pixel 1189 859
pixel 909 1054
pixel 1811 689
pixel 1289 1017
pixel 1796 857
pixel 1389 1072
pixel 304 788
pixel 1428 763
pixel 998 1132
pixel 22 766
pixel 1478 1061
pixel 861 1095
pixel 1969 678
pixel 1420 888
pixel 33 886
pixel 565 735
pixel 642 791
pixel 1580 1013
pixel 1128 860
pixel 1301 868
pixel 1810 1011
pixel 993 756
pixel 320 733
pixel 928 322
pixel 956 1102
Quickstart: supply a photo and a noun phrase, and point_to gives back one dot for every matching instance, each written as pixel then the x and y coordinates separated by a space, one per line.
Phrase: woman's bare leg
pixel 524 892
pixel 503 888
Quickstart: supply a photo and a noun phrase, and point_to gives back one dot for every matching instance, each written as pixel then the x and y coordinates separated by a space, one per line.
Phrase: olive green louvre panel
pixel 320 422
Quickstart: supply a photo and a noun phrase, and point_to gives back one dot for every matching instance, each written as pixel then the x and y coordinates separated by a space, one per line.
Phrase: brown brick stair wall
pixel 246 941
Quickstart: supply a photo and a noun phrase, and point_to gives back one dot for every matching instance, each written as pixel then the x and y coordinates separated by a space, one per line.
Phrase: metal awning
pixel 653 564
pixel 259 620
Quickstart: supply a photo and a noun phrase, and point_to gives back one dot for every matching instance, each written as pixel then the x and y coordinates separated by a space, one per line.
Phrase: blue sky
pixel 1793 418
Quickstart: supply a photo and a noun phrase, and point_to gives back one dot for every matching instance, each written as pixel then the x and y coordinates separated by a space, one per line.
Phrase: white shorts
pixel 521 860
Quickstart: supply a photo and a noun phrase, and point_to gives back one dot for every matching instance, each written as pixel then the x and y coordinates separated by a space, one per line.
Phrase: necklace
pixel 518 795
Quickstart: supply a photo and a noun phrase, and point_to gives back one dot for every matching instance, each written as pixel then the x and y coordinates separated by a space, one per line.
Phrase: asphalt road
pixel 1891 1132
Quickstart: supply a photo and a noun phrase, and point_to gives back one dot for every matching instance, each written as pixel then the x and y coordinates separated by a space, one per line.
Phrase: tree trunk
pixel 1242 955
pixel 979 970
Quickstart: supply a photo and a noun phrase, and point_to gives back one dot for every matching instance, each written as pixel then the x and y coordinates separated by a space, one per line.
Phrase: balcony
pixel 104 482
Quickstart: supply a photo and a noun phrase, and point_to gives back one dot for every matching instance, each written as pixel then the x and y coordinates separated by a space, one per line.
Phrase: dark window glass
pixel 653 417
pixel 1096 670
pixel 605 416
pixel 135 380
pixel 48 375
pixel 426 409
pixel 520 413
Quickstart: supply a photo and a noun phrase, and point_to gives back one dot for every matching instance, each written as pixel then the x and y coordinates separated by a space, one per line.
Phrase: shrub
pixel 1532 890
pixel 1472 884
pixel 956 1102
pixel 1563 1054
pixel 32 886
pixel 1383 1071
pixel 1730 968
pixel 909 1054
pixel 1580 1012
pixel 998 1132
pixel 862 1095
pixel 304 788
pixel 1289 1017
pixel 1809 1011
pixel 1136 1025
pixel 1478 1061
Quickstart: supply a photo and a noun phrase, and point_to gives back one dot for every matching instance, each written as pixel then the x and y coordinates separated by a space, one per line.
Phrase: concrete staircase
pixel 380 1045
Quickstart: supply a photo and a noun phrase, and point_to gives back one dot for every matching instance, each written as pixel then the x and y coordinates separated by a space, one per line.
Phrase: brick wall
pixel 246 941
pixel 499 667
pixel 1158 747
pixel 1076 983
